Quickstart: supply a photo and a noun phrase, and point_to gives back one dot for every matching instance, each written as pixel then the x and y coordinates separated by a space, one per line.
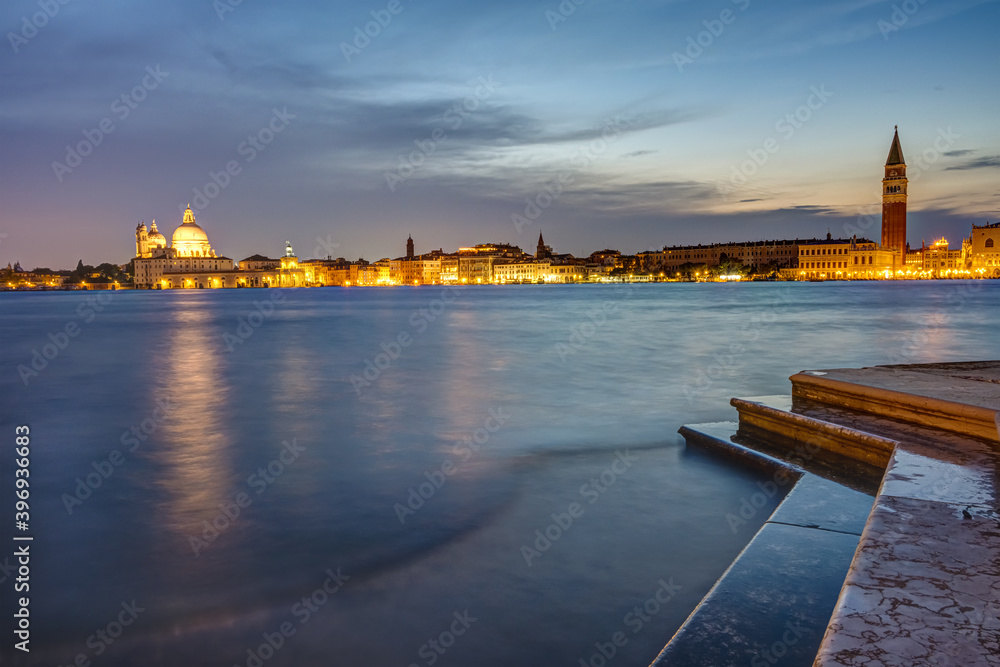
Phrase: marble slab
pixel 924 589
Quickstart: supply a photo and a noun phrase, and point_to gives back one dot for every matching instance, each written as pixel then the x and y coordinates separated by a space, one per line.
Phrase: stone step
pixel 913 394
pixel 857 454
pixel 925 463
pixel 775 600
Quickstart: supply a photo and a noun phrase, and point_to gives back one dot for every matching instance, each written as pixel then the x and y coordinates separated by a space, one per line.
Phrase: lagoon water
pixel 505 487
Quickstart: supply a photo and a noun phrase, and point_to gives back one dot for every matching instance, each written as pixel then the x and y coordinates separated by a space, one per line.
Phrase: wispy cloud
pixel 979 163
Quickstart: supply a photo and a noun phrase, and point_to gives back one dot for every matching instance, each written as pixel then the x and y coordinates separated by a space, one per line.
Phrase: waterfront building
pixel 983 254
pixel 755 255
pixel 937 261
pixel 188 262
pixel 259 263
pixel 843 259
pixel 528 270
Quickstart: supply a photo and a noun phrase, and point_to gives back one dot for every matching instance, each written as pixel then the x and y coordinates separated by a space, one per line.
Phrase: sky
pixel 344 127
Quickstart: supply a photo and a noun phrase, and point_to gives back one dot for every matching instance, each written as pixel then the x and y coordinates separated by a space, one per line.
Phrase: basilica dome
pixel 156 239
pixel 190 240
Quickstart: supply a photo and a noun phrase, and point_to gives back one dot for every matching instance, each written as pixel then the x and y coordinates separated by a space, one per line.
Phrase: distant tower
pixel 542 251
pixel 409 247
pixel 141 241
pixel 894 200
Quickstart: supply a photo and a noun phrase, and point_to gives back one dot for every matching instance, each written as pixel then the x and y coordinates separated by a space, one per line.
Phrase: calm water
pixel 510 409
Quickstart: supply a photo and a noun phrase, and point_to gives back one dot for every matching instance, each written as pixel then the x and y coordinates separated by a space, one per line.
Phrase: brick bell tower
pixel 894 200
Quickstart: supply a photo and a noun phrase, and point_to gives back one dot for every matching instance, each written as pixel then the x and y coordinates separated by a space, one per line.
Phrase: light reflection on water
pixel 628 386
pixel 194 450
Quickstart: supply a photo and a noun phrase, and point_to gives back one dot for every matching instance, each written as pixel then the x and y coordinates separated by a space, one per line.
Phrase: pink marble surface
pixel 924 589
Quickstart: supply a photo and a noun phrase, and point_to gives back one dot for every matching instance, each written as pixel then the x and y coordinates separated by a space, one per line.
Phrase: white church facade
pixel 190 262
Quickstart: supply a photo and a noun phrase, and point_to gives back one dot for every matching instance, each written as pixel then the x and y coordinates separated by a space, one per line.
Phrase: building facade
pixel 188 262
pixel 843 259
pixel 983 256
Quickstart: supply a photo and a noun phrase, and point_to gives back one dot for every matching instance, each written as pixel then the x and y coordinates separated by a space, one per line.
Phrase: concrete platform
pixel 923 587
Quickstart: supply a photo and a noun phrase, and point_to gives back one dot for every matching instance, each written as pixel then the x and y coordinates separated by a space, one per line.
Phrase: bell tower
pixel 409 248
pixel 141 240
pixel 894 200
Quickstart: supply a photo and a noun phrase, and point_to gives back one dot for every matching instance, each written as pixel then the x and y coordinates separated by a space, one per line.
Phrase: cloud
pixel 978 163
pixel 747 201
pixel 638 153
pixel 958 153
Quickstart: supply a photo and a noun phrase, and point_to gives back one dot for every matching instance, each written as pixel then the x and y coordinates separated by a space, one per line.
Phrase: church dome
pixel 189 239
pixel 155 237
pixel 189 234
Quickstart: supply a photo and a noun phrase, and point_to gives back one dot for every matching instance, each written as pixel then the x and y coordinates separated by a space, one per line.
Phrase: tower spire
pixel 895 151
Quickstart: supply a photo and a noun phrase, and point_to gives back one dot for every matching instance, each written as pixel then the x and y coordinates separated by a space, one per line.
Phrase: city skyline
pixel 637 135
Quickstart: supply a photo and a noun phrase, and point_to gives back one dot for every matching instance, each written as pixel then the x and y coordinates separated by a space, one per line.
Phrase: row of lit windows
pixel 824 251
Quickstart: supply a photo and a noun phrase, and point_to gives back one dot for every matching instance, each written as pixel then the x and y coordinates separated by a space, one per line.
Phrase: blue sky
pixel 588 111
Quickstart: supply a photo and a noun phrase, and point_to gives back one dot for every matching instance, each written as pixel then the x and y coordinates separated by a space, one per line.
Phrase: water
pixel 503 406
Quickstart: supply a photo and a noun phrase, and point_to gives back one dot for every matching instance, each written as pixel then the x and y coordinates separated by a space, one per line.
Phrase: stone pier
pixel 894 474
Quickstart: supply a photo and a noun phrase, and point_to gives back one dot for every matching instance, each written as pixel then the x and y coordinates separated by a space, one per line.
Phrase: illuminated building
pixel 894 199
pixel 983 255
pixel 189 262
pixel 753 254
pixel 259 263
pixel 843 259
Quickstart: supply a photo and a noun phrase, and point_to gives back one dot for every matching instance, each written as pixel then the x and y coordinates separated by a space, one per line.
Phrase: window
pixel 989 243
